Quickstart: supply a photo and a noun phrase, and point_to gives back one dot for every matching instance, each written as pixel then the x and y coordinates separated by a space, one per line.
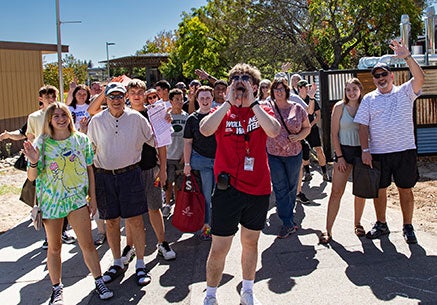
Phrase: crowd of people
pixel 244 136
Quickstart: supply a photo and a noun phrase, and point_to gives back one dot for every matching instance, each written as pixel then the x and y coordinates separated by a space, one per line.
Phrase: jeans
pixel 284 173
pixel 206 168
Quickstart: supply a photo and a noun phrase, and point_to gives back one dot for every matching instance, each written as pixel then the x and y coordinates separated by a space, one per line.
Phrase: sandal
pixel 112 273
pixel 325 238
pixel 143 277
pixel 359 231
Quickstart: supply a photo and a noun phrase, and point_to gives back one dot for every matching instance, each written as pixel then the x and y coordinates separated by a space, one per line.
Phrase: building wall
pixel 21 76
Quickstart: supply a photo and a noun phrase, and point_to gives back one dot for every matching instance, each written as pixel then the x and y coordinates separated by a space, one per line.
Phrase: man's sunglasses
pixel 152 97
pixel 378 75
pixel 244 78
pixel 115 97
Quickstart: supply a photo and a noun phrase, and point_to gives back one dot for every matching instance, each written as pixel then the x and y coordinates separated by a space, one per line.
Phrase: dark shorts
pixel 314 137
pixel 305 150
pixel 350 153
pixel 172 167
pixel 401 165
pixel 121 195
pixel 232 207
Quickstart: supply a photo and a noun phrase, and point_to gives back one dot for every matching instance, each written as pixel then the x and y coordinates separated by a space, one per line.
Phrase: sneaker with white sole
pixel 103 291
pixel 67 238
pixel 302 198
pixel 57 297
pixel 166 210
pixel 166 251
pixel 210 300
pixel 127 255
pixel 247 298
pixel 100 240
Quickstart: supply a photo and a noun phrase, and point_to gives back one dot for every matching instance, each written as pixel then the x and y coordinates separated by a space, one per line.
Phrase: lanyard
pixel 246 136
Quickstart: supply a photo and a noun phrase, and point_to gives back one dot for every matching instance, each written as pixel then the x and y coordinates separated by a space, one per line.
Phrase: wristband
pixel 33 165
pixel 254 104
pixel 366 149
pixel 228 103
pixel 408 57
pixel 187 164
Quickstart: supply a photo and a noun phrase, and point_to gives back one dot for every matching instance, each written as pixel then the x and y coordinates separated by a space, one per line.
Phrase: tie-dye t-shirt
pixel 63 182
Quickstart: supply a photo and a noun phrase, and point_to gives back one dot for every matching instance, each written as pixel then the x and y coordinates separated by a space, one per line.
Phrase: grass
pixel 9 189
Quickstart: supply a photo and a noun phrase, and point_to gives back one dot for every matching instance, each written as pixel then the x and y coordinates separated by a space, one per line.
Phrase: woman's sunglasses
pixel 152 97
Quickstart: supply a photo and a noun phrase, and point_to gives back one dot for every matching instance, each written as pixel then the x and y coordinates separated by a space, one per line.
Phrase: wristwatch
pixel 366 149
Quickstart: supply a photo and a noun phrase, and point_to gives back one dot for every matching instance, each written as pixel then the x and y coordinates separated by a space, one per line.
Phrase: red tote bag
pixel 189 211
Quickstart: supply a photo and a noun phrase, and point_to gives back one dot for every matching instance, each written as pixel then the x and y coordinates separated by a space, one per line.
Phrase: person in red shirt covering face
pixel 241 127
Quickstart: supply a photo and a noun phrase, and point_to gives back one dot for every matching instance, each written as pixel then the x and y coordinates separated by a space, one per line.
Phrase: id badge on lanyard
pixel 248 161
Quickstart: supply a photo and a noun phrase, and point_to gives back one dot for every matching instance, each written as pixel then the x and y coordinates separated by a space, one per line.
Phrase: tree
pixel 164 42
pixel 71 68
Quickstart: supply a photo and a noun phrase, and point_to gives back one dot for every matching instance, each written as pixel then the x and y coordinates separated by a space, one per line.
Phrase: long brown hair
pixel 357 82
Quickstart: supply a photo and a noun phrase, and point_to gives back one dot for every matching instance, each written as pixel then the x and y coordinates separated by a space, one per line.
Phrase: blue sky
pixel 127 23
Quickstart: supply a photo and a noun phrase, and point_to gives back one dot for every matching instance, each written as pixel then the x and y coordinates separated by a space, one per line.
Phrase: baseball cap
pixel 195 82
pixel 114 87
pixel 302 83
pixel 382 66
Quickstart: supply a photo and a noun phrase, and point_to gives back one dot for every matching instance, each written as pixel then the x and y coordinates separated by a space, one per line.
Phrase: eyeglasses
pixel 378 75
pixel 282 89
pixel 152 97
pixel 244 78
pixel 115 97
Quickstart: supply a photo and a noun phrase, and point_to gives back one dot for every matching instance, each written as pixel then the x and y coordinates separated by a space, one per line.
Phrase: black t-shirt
pixel 316 107
pixel 149 156
pixel 205 146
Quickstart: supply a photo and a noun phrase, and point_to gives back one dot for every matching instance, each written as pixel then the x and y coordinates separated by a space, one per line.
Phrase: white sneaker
pixel 166 251
pixel 247 298
pixel 209 300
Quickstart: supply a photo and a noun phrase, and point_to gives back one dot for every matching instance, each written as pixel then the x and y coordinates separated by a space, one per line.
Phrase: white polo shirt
pixel 389 118
pixel 119 141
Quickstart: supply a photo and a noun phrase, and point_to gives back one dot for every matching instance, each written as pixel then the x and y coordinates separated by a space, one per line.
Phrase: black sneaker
pixel 302 198
pixel 409 235
pixel 307 177
pixel 67 238
pixel 57 297
pixel 326 177
pixel 378 230
pixel 127 255
pixel 103 291
pixel 286 231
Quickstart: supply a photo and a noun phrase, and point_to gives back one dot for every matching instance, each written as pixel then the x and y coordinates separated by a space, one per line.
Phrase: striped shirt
pixel 389 118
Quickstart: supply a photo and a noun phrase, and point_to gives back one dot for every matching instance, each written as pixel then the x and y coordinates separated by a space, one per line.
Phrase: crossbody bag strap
pixel 280 115
pixel 43 162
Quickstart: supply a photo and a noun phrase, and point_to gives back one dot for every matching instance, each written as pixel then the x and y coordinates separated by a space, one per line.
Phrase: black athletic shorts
pixel 232 207
pixel 314 137
pixel 401 165
pixel 350 152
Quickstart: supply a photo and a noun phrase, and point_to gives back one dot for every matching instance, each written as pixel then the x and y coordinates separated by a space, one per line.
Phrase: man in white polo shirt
pixel 386 134
pixel 118 134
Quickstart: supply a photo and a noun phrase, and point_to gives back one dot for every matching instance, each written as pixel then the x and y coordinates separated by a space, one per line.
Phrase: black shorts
pixel 314 137
pixel 350 153
pixel 401 165
pixel 305 150
pixel 232 207
pixel 121 195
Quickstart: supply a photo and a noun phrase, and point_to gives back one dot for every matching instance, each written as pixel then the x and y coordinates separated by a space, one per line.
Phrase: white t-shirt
pixel 79 113
pixel 389 118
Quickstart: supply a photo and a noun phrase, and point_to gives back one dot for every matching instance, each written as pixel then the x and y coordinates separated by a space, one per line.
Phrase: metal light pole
pixel 107 57
pixel 59 49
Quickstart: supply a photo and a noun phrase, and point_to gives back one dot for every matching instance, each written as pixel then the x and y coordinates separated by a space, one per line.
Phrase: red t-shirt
pixel 231 151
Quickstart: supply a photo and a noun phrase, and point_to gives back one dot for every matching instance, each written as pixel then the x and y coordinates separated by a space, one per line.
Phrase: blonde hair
pixel 48 128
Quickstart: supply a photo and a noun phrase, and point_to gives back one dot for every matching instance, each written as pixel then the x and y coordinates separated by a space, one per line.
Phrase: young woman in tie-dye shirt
pixel 61 164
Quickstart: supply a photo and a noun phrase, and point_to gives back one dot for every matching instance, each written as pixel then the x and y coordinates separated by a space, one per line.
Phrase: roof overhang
pixel 29 46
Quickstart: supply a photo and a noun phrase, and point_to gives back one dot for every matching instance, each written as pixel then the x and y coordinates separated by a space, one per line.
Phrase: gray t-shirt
pixel 175 150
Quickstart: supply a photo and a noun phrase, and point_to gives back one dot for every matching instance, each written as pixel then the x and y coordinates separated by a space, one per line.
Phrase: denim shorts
pixel 121 195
